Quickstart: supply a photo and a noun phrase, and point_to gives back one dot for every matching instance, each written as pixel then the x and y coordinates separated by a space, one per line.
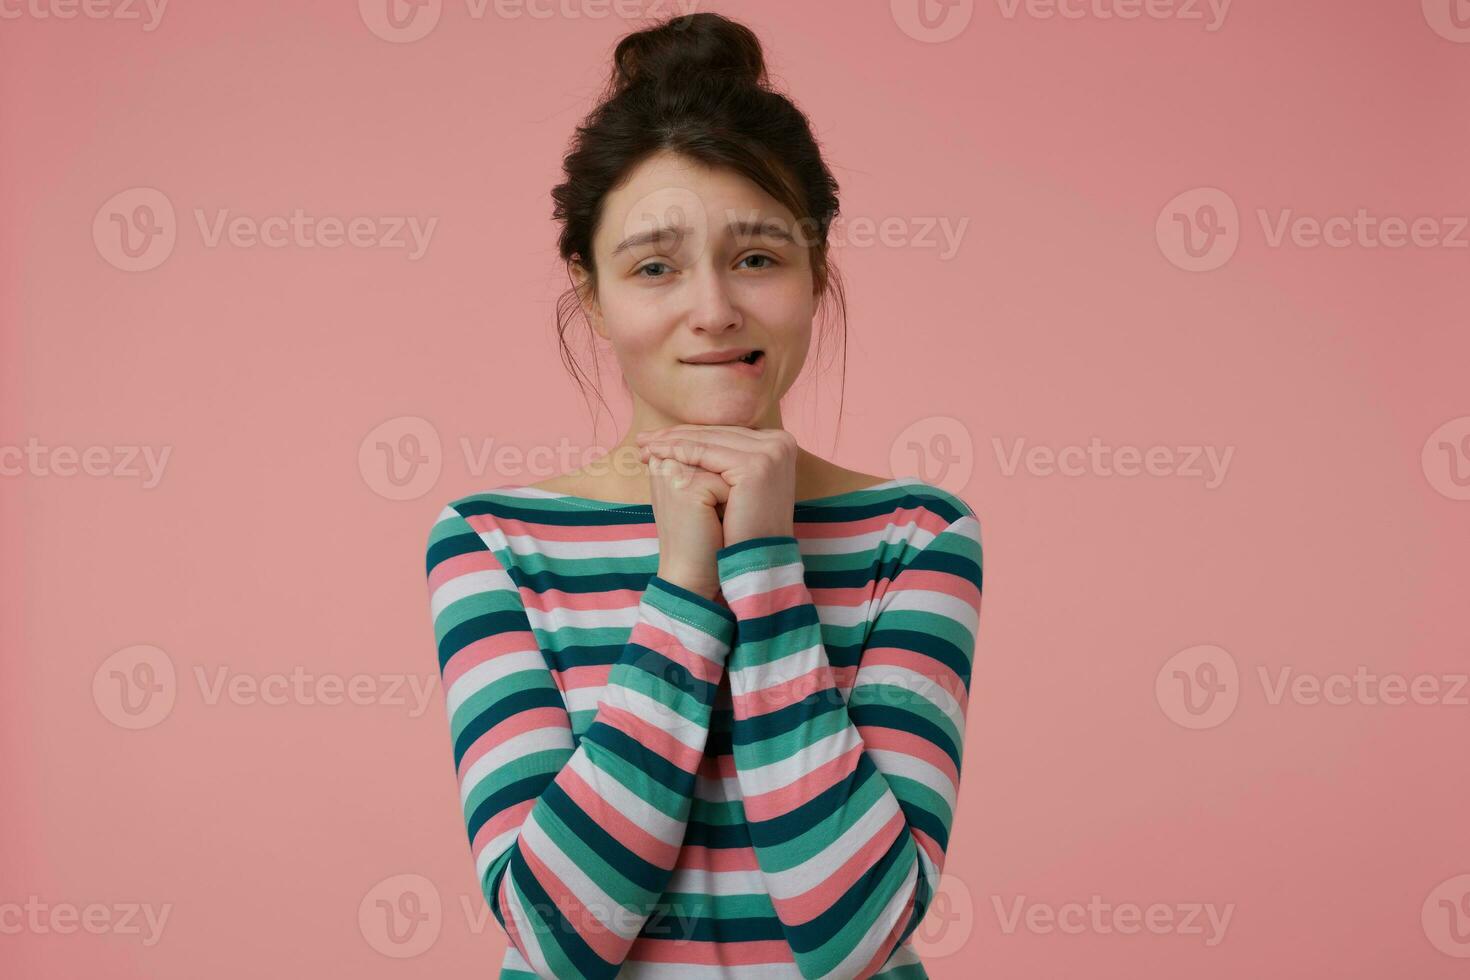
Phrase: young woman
pixel 707 699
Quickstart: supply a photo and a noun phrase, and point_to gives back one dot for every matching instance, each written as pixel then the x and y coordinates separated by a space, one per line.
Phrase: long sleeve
pixel 573 846
pixel 850 802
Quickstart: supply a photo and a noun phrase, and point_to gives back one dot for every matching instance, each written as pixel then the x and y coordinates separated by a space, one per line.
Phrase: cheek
pixel 637 334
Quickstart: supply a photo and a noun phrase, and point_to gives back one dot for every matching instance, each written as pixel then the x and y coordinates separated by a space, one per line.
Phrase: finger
pixel 708 455
pixel 682 476
pixel 670 472
pixel 738 431
pixel 730 438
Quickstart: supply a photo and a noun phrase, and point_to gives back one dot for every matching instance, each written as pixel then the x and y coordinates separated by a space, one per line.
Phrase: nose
pixel 713 310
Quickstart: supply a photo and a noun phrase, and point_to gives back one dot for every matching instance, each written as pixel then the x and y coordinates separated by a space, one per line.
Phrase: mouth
pixel 751 358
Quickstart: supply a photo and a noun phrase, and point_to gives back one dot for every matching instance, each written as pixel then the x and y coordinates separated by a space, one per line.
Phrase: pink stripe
pixel 649 735
pixel 697 857
pixel 603 940
pixel 485 649
pixel 766 603
pixel 624 830
pixel 511 818
pixel 909 744
pixel 886 949
pixel 530 720
pixel 615 601
pixel 811 903
pixel 574 533
pixel 649 949
pixel 453 567
pixel 932 670
pixel 783 799
pixel 670 646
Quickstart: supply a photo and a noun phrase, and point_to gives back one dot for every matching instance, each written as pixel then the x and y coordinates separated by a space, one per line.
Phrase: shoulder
pixel 942 522
pixel 911 494
pixel 463 523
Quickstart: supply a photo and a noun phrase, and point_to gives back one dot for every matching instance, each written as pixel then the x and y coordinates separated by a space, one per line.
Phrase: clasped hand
pixel 758 465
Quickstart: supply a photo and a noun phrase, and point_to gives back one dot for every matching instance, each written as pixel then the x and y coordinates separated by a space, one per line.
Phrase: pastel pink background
pixel 271 545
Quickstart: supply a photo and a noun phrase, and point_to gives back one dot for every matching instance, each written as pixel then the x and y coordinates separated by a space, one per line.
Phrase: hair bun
pixel 694 47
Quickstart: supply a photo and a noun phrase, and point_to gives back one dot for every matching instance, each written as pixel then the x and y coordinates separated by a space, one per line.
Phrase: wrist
pixel 753 533
pixel 704 586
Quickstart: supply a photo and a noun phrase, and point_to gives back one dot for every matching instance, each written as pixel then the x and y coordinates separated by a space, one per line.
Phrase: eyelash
pixel 638 272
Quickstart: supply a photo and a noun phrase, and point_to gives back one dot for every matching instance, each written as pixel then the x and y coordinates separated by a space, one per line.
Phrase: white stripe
pixel 470 583
pixel 613 915
pixel 700 881
pixel 691 638
pixel 537 740
pixel 559 617
pixel 819 867
pixel 907 766
pixel 481 675
pixel 901 687
pixel 946 604
pixel 624 801
pixel 527 932
pixel 807 758
pixel 529 544
pixel 875 936
pixel 692 735
pixel 756 678
pixel 638 970
pixel 757 581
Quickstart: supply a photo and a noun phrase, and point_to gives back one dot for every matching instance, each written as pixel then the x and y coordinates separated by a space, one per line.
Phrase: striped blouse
pixel 658 784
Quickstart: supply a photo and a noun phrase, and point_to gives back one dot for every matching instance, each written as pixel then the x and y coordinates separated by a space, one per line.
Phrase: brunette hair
pixel 696 85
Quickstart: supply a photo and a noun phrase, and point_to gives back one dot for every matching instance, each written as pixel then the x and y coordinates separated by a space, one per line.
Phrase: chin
pixel 746 413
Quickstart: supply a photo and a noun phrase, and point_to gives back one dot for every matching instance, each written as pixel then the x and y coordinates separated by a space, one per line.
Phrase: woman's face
pixel 693 262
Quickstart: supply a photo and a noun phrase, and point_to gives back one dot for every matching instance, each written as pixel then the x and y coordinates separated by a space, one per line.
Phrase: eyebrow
pixel 750 229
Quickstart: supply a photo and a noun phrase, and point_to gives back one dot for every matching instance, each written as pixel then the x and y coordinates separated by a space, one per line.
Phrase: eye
pixel 638 272
pixel 765 258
